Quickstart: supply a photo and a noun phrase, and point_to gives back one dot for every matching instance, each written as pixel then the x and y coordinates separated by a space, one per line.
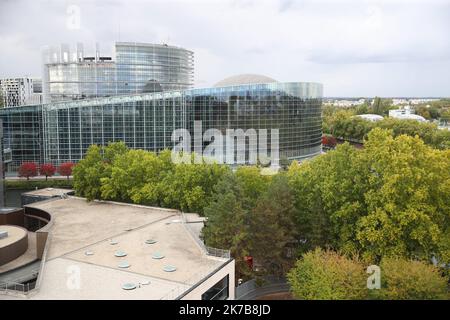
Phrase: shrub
pixel 28 169
pixel 326 275
pixel 403 279
pixel 65 169
pixel 47 170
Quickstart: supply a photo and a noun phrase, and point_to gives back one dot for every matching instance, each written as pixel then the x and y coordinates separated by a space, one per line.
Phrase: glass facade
pixel 134 68
pixel 138 64
pixel 61 132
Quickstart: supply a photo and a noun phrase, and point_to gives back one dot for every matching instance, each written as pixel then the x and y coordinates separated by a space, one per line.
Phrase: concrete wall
pixel 15 218
pixel 196 293
pixel 14 250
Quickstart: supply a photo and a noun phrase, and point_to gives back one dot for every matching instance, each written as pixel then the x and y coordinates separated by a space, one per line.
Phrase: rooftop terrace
pixel 85 237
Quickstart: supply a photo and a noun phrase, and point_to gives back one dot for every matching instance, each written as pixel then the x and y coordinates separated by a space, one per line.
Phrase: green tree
pixel 273 229
pixel 403 279
pixel 253 183
pixel 226 225
pixel 390 198
pixel 326 275
pixel 96 164
pixel 405 207
pixel 189 187
pixel 130 173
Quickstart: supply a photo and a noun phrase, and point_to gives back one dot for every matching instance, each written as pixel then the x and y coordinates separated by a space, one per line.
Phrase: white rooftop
pixel 84 238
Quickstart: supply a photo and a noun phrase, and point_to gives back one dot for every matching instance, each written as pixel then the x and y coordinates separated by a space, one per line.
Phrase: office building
pixel 20 91
pixel 132 68
pixel 61 132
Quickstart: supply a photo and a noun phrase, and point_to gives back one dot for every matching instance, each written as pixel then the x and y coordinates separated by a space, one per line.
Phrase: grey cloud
pixel 290 40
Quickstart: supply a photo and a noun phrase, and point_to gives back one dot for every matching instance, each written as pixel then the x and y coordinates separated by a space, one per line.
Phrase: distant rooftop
pixel 241 79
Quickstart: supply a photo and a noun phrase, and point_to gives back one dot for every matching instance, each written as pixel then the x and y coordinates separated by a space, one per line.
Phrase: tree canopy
pixel 390 198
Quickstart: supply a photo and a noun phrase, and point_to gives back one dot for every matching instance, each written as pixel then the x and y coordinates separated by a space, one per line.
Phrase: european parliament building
pixel 62 131
pixel 72 74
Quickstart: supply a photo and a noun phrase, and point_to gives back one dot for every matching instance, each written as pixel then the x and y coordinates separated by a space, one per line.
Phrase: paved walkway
pixel 37 178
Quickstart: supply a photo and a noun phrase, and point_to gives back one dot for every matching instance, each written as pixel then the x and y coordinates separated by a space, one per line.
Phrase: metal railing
pixel 250 290
pixel 196 278
pixel 220 253
pixel 15 287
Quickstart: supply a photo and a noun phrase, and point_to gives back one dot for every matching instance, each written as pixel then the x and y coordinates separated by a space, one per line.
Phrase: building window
pixel 219 291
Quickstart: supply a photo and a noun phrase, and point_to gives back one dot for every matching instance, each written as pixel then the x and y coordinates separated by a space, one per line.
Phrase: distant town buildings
pixel 405 113
pixel 132 68
pixel 413 101
pixel 20 91
pixel 344 103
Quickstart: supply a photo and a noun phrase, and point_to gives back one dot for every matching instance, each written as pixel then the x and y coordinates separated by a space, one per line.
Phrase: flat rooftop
pixel 85 236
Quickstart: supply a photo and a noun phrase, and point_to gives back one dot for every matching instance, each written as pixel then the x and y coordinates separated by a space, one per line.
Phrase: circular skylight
pixel 150 241
pixel 157 255
pixel 120 253
pixel 169 268
pixel 128 286
pixel 123 264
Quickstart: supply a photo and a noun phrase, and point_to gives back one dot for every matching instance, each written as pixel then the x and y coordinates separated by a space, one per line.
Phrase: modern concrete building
pixel 132 68
pixel 20 91
pixel 107 250
pixel 61 132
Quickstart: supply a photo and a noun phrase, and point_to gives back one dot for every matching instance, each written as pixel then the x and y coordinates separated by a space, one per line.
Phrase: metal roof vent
pixel 113 242
pixel 89 253
pixel 120 253
pixel 169 268
pixel 157 255
pixel 128 286
pixel 124 265
pixel 150 241
pixel 3 234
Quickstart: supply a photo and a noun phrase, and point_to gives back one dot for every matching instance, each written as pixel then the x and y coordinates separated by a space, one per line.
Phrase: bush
pixel 403 279
pixel 326 275
pixel 28 169
pixel 65 169
pixel 47 170
pixel 39 184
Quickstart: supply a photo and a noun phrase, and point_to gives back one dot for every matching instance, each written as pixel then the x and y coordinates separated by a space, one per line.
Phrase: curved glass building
pixel 61 132
pixel 133 68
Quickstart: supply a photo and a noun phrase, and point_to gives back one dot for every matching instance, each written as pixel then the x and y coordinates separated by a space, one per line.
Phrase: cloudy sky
pixel 355 48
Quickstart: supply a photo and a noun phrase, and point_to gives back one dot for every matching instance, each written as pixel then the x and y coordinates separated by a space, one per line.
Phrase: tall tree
pixel 226 227
pixel 93 167
pixel 390 198
pixel 272 228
